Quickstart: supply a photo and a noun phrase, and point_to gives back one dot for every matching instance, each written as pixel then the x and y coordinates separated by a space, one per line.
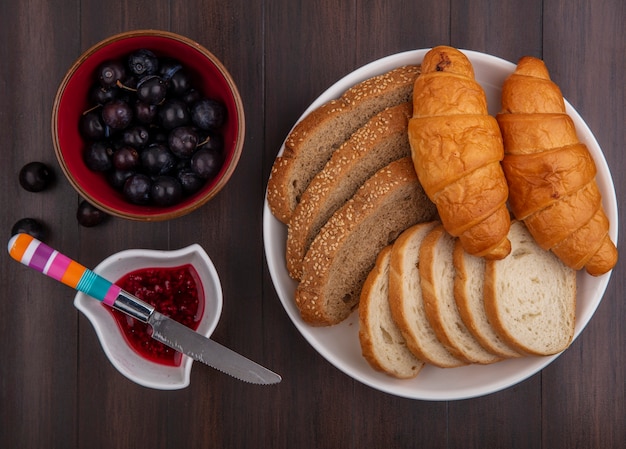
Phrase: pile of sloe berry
pixel 153 134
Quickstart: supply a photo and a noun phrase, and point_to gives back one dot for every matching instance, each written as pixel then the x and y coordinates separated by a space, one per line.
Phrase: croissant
pixel 550 173
pixel 456 149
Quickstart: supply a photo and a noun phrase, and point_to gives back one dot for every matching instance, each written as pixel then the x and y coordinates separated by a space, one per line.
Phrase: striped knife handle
pixel 37 255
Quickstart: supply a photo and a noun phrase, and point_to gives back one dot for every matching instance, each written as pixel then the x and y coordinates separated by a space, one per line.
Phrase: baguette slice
pixel 530 296
pixel 437 272
pixel 406 301
pixel 380 141
pixel 382 343
pixel 470 300
pixel 345 250
pixel 312 141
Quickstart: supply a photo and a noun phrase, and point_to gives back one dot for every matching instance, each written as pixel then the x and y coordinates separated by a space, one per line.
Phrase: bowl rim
pixel 338 345
pixel 170 377
pixel 224 176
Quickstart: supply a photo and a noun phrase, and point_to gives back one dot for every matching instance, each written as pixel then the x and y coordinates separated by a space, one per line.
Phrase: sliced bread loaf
pixel 406 301
pixel 530 296
pixel 380 141
pixel 382 343
pixel 345 250
pixel 469 283
pixel 312 141
pixel 437 272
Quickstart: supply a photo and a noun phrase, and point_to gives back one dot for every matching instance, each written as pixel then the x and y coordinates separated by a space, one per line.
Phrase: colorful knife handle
pixel 39 256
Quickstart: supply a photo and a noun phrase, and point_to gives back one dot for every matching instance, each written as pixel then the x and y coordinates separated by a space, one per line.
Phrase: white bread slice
pixel 382 343
pixel 406 301
pixel 380 141
pixel 313 140
pixel 470 300
pixel 437 272
pixel 530 296
pixel 345 250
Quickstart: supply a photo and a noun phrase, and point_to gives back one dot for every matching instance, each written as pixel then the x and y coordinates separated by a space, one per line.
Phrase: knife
pixel 37 255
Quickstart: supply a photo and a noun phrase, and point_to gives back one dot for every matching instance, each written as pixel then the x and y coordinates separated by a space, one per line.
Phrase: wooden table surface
pixel 58 389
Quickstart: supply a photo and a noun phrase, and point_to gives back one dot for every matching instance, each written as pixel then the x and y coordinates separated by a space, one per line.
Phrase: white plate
pixel 339 344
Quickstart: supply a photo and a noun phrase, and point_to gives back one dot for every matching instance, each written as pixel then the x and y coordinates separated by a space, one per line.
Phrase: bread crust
pixel 551 131
pixel 522 315
pixel 546 225
pixel 382 343
pixel 550 173
pixel 344 251
pixel 380 141
pixel 441 158
pixel 579 247
pixel 538 180
pixel 456 149
pixel 407 303
pixel 471 305
pixel 439 302
pixel 312 141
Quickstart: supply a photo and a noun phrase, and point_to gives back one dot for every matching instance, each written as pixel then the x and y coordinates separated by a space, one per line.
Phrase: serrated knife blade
pixel 39 256
pixel 205 350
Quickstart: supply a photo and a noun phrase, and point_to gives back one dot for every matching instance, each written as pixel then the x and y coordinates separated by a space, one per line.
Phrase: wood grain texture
pixel 57 388
pixel 590 377
pixel 38 377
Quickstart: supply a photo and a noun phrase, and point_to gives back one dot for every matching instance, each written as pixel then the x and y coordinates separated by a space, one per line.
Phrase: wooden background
pixel 58 390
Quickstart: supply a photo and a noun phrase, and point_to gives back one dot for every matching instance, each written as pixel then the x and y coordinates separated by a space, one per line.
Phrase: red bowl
pixel 208 75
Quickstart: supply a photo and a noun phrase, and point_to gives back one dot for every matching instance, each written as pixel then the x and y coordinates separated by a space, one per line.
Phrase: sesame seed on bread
pixel 380 141
pixel 345 250
pixel 313 140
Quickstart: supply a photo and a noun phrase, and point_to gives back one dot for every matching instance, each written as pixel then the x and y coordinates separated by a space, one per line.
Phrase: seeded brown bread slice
pixel 437 280
pixel 530 296
pixel 382 343
pixel 406 301
pixel 380 141
pixel 469 283
pixel 345 250
pixel 312 141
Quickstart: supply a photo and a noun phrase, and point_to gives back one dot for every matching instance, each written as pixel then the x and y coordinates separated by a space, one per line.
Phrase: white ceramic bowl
pixel 339 344
pixel 122 356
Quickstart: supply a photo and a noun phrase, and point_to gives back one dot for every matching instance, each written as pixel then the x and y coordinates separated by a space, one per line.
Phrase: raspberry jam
pixel 175 292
